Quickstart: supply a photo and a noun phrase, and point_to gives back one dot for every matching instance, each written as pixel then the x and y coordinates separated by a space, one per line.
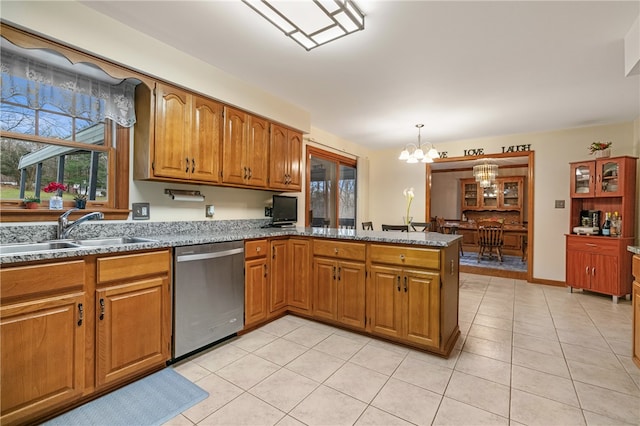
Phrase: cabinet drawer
pixel 595 245
pixel 338 249
pixel 21 281
pixel 405 256
pixel 133 265
pixel 255 248
pixel 636 266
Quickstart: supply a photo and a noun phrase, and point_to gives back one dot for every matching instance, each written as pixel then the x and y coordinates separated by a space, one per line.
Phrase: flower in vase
pixel 598 146
pixel 409 195
pixel 55 187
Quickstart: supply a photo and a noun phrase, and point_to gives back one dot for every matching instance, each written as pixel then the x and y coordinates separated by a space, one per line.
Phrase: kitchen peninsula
pixel 402 287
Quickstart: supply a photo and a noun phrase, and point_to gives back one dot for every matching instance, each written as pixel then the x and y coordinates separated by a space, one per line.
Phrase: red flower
pixel 54 187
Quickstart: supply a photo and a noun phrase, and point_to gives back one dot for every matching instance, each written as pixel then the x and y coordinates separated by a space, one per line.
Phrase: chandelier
pixel 413 153
pixel 485 174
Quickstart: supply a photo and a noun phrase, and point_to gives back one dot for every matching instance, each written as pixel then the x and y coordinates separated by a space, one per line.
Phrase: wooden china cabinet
pixel 506 195
pixel 594 262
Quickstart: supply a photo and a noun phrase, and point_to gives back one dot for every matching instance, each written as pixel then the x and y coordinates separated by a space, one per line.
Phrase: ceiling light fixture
pixel 413 153
pixel 311 23
pixel 485 174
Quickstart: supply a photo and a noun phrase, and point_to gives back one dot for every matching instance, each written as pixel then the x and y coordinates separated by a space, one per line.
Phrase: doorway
pixel 331 190
pixel 453 171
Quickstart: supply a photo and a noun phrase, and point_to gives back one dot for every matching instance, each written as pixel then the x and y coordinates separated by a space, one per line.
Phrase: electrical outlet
pixel 267 211
pixel 209 210
pixel 140 211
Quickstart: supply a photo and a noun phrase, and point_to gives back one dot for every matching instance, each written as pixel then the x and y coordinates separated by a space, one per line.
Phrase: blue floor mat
pixel 152 400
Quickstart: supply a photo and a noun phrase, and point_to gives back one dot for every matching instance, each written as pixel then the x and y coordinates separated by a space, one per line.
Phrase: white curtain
pixel 38 85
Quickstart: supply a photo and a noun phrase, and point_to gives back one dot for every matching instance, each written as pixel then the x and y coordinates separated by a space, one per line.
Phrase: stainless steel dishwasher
pixel 208 299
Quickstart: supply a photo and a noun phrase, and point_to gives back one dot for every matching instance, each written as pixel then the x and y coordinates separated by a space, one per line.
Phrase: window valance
pixel 38 85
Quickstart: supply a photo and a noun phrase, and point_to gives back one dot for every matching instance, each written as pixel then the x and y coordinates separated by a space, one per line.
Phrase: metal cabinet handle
pixel 187 161
pixel 245 173
pixel 339 271
pixel 265 270
pixel 586 270
pixel 402 257
pixel 250 173
pixel 335 250
pixel 101 309
pixel 593 271
pixel 193 165
pixel 334 272
pixel 398 282
pixel 405 283
pixel 452 268
pixel 80 314
pixel 258 249
pixel 273 252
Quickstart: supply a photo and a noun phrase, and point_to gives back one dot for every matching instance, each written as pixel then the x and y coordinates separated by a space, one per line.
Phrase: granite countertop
pixel 634 249
pixel 179 236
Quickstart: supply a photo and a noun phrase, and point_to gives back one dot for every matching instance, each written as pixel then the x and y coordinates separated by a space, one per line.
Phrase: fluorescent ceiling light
pixel 311 23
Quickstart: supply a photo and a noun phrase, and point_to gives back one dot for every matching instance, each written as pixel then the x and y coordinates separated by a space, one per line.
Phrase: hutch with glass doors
pixel 595 262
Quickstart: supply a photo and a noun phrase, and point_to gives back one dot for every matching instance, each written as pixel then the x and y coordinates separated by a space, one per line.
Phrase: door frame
pixel 530 194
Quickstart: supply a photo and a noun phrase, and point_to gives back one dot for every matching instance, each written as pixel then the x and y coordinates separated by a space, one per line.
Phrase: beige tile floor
pixel 528 355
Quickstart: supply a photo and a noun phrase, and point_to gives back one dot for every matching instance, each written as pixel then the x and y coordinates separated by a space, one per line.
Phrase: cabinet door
pixel 385 296
pixel 257 159
pixel 609 174
pixel 300 284
pixel 295 159
pixel 490 196
pixel 279 157
pixel 511 193
pixel 234 167
pixel 636 321
pixel 578 269
pixel 42 355
pixel 256 293
pixel 324 288
pixel 133 328
pixel 351 294
pixel 172 132
pixel 604 273
pixel 206 140
pixel 582 179
pixel 422 294
pixel 469 195
pixel 280 267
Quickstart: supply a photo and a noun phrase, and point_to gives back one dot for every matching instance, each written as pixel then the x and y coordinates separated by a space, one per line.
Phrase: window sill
pixel 44 214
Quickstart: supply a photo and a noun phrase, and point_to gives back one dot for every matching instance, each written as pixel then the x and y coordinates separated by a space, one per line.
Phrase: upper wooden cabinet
pixel 506 195
pixel 604 177
pixel 285 153
pixel 245 149
pixel 185 141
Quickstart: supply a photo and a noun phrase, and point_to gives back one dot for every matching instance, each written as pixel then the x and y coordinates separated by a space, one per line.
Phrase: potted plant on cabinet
pixel 31 201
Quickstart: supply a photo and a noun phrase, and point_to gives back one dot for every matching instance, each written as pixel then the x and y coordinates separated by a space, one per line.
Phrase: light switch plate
pixel 140 211
pixel 559 204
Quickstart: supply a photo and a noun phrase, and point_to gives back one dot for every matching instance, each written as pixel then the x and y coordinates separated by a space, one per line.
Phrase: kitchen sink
pixel 111 241
pixel 31 247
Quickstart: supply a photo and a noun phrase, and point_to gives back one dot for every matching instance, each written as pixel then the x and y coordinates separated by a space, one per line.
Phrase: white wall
pixel 553 152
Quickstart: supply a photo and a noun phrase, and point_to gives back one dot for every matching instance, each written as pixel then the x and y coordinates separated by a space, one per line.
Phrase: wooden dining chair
pixel 403 228
pixel 490 238
pixel 367 226
pixel 424 226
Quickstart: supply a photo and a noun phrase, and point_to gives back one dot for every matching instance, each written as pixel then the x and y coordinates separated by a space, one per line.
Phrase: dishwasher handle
pixel 209 255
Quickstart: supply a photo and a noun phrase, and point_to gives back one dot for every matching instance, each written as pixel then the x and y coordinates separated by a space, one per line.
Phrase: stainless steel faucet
pixel 64 226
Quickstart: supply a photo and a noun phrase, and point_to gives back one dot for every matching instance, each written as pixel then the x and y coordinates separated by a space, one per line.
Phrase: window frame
pixel 117 205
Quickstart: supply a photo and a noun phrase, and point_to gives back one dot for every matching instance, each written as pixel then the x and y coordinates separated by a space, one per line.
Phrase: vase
pixel 55 202
pixel 603 153
pixel 32 205
pixel 407 221
pixel 81 204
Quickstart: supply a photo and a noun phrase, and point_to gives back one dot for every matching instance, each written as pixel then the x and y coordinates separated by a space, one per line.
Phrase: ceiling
pixel 464 69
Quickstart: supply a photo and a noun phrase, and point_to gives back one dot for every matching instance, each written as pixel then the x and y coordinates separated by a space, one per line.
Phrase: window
pixel 331 189
pixel 61 122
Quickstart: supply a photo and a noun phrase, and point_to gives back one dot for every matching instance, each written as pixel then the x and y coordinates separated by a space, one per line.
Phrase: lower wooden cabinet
pixel 636 310
pixel 256 291
pixel 280 274
pixel 599 264
pixel 299 285
pixel 53 315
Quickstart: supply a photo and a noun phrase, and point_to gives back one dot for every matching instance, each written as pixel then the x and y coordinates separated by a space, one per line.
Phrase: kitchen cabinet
pixel 285 153
pixel 339 282
pixel 133 309
pixel 404 294
pixel 594 262
pixel 299 285
pixel 256 282
pixel 185 142
pixel 245 149
pixel 43 330
pixel 636 310
pixel 280 275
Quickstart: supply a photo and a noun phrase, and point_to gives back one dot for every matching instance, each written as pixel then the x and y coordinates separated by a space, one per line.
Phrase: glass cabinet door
pixel 608 175
pixel 582 178
pixel 511 194
pixel 490 196
pixel 470 195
